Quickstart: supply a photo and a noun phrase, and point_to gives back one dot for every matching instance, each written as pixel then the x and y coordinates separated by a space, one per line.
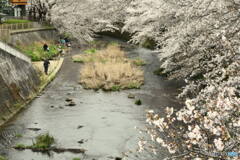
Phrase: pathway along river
pixel 104 121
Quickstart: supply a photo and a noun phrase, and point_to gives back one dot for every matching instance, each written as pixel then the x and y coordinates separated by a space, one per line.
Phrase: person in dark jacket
pixel 46 64
pixel 68 43
pixel 45 47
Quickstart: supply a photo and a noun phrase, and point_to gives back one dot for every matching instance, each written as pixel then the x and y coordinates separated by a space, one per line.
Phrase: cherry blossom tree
pixel 197 40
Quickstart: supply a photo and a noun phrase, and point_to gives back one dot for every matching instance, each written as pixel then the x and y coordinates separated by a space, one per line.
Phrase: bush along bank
pixel 36 53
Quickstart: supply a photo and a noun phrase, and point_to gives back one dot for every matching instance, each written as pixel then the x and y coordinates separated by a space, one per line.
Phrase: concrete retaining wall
pixel 26 37
pixel 18 81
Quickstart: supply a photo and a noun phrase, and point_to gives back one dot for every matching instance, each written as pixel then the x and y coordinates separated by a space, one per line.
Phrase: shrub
pixel 36 53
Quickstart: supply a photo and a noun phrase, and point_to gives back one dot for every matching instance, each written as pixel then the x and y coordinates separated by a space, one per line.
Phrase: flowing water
pixel 104 122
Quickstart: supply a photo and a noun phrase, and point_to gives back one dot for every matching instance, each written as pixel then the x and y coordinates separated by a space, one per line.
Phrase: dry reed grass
pixel 109 69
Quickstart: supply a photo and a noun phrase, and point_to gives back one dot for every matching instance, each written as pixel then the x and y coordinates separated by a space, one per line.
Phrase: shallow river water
pixel 104 121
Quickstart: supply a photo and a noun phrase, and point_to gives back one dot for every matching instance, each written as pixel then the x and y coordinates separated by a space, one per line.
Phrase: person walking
pixel 46 64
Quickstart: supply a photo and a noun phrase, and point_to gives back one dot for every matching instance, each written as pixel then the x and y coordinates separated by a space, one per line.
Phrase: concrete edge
pixel 33 96
pixel 12 51
pixel 31 30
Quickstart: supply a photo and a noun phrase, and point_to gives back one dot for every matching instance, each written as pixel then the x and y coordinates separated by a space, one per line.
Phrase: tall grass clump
pixel 44 141
pixel 110 70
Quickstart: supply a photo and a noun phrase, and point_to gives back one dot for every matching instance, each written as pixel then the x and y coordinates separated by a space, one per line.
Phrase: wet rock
pixel 34 129
pixel 68 100
pixel 61 107
pixel 131 96
pixel 81 141
pixel 71 104
pixel 80 126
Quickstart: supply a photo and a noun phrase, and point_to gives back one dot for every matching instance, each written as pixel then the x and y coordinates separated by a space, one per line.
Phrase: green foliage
pixel 14 21
pixel 134 85
pixel 18 135
pixel 3 4
pixel 36 53
pixel 138 102
pixel 78 60
pixel 90 51
pixel 116 88
pixel 76 159
pixel 2 158
pixel 43 141
pixel 20 146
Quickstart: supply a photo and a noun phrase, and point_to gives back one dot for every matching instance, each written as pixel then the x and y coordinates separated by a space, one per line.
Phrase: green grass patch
pixel 134 85
pixel 116 88
pixel 15 21
pixel 2 158
pixel 36 52
pixel 90 51
pixel 76 159
pixel 44 141
pixel 78 60
pixel 41 142
pixel 20 146
pixel 139 62
pixel 18 135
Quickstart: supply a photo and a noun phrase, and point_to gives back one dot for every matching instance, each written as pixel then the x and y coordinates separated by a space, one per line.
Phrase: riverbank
pixel 45 80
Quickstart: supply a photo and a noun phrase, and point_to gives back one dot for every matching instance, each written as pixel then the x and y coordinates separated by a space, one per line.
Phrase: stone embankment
pixel 19 80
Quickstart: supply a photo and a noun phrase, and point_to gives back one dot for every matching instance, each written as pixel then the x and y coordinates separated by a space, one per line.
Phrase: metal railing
pixel 19 26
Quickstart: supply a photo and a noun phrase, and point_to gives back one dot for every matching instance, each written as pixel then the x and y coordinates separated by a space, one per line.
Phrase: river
pixel 104 122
